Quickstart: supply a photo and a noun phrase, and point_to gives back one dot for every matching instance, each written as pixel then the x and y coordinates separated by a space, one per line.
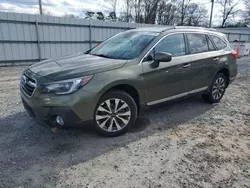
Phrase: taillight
pixel 235 53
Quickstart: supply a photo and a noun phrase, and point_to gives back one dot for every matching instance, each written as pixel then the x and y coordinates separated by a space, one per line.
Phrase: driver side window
pixel 173 44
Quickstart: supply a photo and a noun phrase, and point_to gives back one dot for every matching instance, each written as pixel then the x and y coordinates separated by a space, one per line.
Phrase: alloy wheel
pixel 218 88
pixel 113 115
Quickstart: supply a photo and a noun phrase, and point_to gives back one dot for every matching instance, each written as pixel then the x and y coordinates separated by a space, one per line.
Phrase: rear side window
pixel 219 43
pixel 197 43
pixel 210 45
pixel 173 44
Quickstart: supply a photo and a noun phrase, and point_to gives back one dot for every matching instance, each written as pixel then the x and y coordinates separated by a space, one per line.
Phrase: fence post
pixel 90 36
pixel 38 41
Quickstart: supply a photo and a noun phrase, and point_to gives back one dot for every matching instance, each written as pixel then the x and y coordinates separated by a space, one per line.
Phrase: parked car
pixel 112 83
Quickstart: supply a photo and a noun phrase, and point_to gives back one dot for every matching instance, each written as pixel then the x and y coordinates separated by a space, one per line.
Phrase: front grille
pixel 28 85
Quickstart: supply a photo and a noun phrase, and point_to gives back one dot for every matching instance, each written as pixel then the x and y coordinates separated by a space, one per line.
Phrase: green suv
pixel 113 82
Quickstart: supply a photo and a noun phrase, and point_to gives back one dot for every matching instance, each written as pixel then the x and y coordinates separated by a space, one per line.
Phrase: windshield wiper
pixel 102 55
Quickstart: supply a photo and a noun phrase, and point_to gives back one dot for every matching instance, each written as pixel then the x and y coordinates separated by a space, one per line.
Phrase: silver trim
pixel 188 32
pixel 220 37
pixel 31 84
pixel 177 96
pixel 158 43
pixel 186 66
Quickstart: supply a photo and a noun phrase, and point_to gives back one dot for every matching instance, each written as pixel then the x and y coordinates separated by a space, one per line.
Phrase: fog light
pixel 59 120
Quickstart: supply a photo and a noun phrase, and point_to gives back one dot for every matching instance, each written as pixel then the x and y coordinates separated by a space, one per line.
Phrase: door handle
pixel 186 65
pixel 216 59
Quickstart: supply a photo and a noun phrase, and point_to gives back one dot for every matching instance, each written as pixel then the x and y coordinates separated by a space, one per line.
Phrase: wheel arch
pixel 226 72
pixel 128 88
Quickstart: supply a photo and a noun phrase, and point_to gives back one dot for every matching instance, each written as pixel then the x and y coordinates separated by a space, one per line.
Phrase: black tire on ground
pixel 209 97
pixel 111 96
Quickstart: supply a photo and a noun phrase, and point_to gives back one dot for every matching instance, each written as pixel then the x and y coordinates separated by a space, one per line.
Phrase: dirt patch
pixel 186 143
pixel 211 150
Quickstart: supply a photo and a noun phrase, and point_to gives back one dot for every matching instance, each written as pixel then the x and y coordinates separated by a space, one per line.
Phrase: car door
pixel 168 79
pixel 203 61
pixel 221 55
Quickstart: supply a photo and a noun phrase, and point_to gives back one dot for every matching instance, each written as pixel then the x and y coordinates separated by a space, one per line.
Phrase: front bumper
pixel 49 118
pixel 73 109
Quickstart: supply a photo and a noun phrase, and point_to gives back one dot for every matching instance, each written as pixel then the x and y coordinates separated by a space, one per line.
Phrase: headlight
pixel 66 86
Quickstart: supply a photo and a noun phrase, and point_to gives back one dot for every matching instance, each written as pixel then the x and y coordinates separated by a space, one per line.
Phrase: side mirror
pixel 163 57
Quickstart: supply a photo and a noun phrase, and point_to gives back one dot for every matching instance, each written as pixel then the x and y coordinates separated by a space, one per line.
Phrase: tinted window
pixel 220 44
pixel 210 45
pixel 126 45
pixel 197 43
pixel 173 44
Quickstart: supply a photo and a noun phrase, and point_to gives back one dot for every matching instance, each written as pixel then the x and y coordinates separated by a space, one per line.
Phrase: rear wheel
pixel 115 113
pixel 217 89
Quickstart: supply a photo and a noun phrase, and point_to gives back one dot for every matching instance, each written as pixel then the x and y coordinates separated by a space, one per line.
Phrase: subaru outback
pixel 113 82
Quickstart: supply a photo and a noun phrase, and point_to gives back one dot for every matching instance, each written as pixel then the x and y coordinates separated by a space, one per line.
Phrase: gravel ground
pixel 187 143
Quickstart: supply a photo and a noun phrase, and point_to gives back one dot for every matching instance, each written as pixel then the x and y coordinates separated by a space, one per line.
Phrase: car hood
pixel 75 66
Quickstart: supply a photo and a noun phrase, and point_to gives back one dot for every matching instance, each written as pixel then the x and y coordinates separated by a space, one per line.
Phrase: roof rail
pixel 169 28
pixel 189 27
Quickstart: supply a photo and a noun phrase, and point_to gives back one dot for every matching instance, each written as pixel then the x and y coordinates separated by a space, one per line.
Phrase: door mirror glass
pixel 163 57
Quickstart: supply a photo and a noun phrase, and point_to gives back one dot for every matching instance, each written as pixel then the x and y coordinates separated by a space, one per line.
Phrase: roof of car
pixel 160 29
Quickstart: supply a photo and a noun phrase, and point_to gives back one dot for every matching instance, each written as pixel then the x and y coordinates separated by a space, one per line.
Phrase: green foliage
pixel 100 16
pixel 89 15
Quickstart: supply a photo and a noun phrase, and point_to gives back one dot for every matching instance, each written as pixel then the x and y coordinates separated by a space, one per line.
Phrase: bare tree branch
pixel 228 9
pixel 246 14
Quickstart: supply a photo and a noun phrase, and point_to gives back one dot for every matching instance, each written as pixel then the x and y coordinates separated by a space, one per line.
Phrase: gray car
pixel 113 82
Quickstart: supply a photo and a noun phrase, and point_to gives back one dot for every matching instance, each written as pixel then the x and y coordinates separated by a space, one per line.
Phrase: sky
pixel 78 7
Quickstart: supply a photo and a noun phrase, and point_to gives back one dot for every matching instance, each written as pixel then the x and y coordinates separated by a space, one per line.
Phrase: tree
pixel 228 9
pixel 113 4
pixel 47 12
pixel 196 15
pixel 100 16
pixel 150 11
pixel 168 13
pixel 141 11
pixel 172 12
pixel 127 17
pixel 246 14
pixel 124 17
pixel 89 15
pixel 237 24
pixel 112 16
pixel 184 7
pixel 137 5
pixel 70 16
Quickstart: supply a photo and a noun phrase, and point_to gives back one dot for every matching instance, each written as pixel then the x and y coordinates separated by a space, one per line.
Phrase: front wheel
pixel 217 89
pixel 115 113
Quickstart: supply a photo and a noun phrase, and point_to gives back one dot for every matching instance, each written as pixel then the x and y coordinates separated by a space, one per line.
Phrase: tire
pixel 217 89
pixel 115 113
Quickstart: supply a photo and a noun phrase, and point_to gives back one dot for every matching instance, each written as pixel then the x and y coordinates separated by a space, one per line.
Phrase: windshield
pixel 126 45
